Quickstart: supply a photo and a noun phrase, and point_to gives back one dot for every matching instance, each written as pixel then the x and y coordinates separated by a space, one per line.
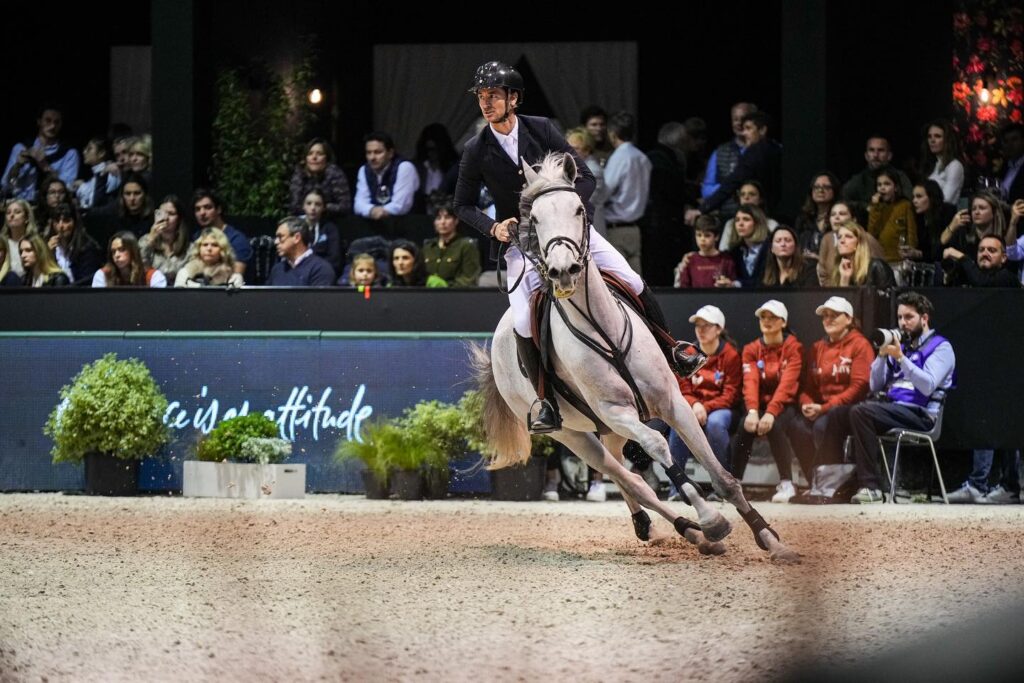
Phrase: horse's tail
pixel 506 435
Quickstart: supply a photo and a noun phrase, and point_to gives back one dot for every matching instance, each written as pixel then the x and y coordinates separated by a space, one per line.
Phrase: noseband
pixel 581 249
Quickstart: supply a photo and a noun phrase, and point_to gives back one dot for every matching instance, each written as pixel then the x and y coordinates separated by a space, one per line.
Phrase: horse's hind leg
pixel 614 443
pixel 688 429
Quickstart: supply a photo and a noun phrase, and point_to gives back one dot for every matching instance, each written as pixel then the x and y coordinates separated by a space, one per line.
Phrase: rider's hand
pixel 503 231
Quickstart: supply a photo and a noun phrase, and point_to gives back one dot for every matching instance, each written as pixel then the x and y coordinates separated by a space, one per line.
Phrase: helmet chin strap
pixel 508 107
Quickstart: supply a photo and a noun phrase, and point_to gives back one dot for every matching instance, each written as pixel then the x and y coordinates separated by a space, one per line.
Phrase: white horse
pixel 554 213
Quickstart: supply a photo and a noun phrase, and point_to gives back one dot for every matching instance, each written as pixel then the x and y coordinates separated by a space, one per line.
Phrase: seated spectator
pixel 323 232
pixel 387 183
pixel 165 246
pixel 299 265
pixel 133 212
pixel 45 155
pixel 914 376
pixel 986 217
pixel 41 270
pixel 771 380
pixel 891 218
pixel 75 251
pixel 707 267
pixel 209 212
pixel 140 157
pixel 53 191
pixel 748 247
pixel 450 256
pixel 211 262
pixel 932 215
pixel 714 390
pixel 376 247
pixel 835 378
pixel 940 156
pixel 841 213
pixel 749 193
pixel 406 266
pixel 813 222
pixel 989 271
pixel 364 272
pixel 318 170
pixel 8 278
pixel 878 155
pixel 854 266
pixel 101 187
pixel 19 222
pixel 125 267
pixel 438 166
pixel 1014 240
pixel 785 265
pixel 121 145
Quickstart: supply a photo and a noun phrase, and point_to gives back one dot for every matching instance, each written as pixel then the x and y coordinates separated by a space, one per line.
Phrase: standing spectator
pixel 891 218
pixel 932 215
pixel 41 270
pixel 747 248
pixel 627 176
pixel 75 251
pixel 211 262
pixel 835 378
pixel 771 380
pixel 299 265
pixel 664 233
pixel 105 178
pixel 785 265
pixel 714 390
pixel 165 246
pixel 1011 139
pixel 914 376
pixel 318 170
pixel 752 193
pixel 387 183
pixel 940 157
pixel 583 143
pixel 19 222
pixel 125 267
pixel 8 278
pixel 595 120
pixel 986 217
pixel 725 157
pixel 853 264
pixel 1015 244
pixel 708 267
pixel 450 256
pixel 45 155
pixel 209 212
pixel 989 271
pixel 438 167
pixel 323 232
pixel 813 222
pixel 878 155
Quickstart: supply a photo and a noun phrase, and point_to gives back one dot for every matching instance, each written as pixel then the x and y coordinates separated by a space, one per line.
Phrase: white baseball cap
pixel 713 314
pixel 837 304
pixel 775 307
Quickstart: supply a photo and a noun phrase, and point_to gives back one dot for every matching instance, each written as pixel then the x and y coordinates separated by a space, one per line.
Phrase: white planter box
pixel 242 480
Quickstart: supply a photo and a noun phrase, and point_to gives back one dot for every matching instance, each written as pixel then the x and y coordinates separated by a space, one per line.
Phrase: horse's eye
pixel 579 210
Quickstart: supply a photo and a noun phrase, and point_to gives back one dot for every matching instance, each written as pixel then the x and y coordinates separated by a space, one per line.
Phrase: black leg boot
pixel 686 364
pixel 547 420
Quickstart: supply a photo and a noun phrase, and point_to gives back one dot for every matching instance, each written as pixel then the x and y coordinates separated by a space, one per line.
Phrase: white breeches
pixel 605 257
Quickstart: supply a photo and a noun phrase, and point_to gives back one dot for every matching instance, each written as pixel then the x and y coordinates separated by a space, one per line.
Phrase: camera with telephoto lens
pixel 883 337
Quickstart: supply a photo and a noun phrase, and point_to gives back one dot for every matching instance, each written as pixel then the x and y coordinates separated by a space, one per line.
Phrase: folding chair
pixel 912 437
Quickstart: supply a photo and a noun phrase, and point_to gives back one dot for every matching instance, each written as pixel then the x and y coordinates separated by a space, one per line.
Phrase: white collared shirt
pixel 510 142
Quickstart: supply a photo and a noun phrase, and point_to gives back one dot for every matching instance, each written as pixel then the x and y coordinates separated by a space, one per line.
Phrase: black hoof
pixel 642 525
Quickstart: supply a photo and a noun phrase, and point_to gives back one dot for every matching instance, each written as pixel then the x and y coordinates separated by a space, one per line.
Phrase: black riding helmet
pixel 498 75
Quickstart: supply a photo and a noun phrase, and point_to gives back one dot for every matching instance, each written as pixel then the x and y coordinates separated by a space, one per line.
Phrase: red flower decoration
pixel 984 44
pixel 975 66
pixel 1015 116
pixel 1017 49
pixel 961 22
pixel 1015 96
pixel 961 91
pixel 974 133
pixel 987 113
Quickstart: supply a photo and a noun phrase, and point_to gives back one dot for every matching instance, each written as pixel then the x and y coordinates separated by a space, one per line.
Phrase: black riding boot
pixel 686 363
pixel 548 419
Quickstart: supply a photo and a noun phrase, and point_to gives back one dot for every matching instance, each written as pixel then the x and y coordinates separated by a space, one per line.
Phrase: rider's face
pixel 495 103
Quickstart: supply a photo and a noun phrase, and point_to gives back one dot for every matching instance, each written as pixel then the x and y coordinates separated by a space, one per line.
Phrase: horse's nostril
pixel 553 273
pixel 575 268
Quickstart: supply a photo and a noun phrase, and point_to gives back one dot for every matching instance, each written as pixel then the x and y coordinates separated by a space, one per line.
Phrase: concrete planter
pixel 242 480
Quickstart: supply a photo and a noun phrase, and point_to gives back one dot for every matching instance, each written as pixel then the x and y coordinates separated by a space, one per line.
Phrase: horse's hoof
pixel 717 529
pixel 642 525
pixel 709 548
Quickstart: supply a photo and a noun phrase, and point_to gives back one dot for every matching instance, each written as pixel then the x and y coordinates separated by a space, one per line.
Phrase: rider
pixel 494 158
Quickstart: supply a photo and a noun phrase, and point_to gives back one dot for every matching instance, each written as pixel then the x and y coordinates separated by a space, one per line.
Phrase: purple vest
pixel 902 390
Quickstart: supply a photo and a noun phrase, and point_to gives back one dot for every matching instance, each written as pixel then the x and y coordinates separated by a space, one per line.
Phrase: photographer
pixel 914 374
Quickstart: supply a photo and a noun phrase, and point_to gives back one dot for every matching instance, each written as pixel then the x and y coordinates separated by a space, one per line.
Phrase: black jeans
pixel 870 419
pixel 778 439
pixel 820 442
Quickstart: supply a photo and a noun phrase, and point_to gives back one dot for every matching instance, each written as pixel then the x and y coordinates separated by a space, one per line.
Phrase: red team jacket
pixel 771 374
pixel 837 374
pixel 717 384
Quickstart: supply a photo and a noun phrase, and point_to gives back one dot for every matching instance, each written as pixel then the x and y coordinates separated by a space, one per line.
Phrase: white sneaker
pixel 784 491
pixel 551 495
pixel 966 494
pixel 865 495
pixel 597 494
pixel 999 496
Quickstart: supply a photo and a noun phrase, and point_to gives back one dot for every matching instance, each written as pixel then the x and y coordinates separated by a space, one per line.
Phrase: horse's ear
pixel 529 173
pixel 569 167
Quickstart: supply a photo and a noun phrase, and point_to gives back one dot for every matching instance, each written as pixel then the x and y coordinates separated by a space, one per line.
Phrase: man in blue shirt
pixel 725 157
pixel 299 266
pixel 209 212
pixel 30 162
pixel 627 178
pixel 914 376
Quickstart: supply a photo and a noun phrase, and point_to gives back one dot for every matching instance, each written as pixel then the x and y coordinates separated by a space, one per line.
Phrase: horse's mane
pixel 552 174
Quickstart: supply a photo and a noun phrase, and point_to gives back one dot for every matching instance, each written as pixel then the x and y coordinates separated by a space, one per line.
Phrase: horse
pixel 592 323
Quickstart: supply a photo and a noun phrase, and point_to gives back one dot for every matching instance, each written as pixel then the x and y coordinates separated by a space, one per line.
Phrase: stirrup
pixel 688 364
pixel 548 418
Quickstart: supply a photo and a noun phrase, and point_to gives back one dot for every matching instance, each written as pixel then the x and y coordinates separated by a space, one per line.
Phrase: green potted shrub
pixel 375 452
pixel 110 417
pixel 243 458
pixel 442 426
